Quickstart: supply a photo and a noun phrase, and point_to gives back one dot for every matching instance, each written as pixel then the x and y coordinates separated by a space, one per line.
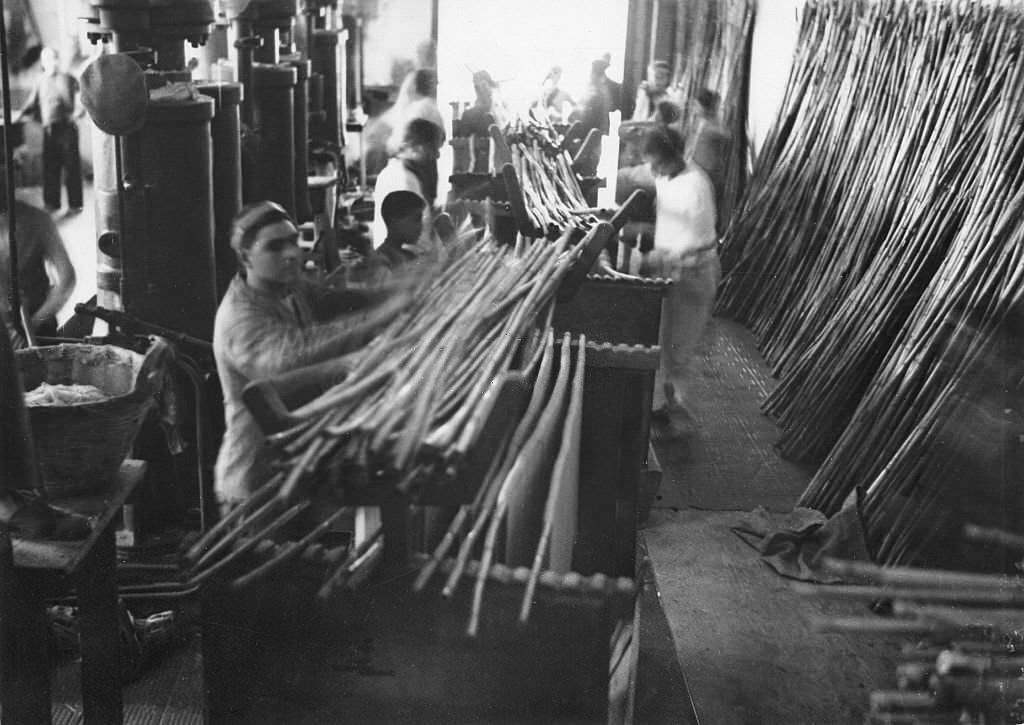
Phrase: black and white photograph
pixel 523 362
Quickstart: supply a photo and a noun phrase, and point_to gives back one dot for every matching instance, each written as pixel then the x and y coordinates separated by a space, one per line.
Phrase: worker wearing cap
pixel 272 321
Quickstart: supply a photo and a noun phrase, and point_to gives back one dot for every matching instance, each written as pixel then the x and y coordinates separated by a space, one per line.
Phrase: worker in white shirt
pixel 413 168
pixel 686 252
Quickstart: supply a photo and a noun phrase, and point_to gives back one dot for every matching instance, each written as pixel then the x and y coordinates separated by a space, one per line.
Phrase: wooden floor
pixel 741 633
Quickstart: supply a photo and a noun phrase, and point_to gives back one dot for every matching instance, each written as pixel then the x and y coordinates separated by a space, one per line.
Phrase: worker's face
pixel 661 78
pixel 274 257
pixel 423 151
pixel 407 229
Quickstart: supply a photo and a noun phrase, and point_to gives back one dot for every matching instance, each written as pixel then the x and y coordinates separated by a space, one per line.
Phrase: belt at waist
pixel 713 246
pixel 687 255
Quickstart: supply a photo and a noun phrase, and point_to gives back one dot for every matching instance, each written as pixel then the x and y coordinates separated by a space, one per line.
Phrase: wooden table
pixel 45 569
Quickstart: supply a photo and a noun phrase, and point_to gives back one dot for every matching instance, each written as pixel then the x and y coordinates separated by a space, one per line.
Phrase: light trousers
pixel 685 312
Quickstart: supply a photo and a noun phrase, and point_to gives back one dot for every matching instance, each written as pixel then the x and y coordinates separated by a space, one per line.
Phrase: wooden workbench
pixel 39 570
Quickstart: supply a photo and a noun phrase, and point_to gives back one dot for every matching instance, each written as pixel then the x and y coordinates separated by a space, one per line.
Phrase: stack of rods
pixel 878 252
pixel 551 189
pixel 524 513
pixel 715 42
pixel 962 660
pixel 419 394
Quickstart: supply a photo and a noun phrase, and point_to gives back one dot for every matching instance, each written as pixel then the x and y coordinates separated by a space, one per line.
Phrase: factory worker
pixel 402 212
pixel 53 103
pixel 46 277
pixel 271 321
pixel 477 119
pixel 417 98
pixel 652 91
pixel 602 96
pixel 685 251
pixel 554 103
pixel 711 145
pixel 413 168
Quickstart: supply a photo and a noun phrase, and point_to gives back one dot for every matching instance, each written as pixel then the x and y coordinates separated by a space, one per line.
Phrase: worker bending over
pixel 271 321
pixel 686 252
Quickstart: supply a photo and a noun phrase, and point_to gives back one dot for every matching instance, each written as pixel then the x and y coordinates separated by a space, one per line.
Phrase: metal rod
pixel 13 290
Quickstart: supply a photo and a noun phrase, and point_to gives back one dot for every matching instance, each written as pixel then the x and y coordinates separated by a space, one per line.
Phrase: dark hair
pixel 400 204
pixel 667 112
pixel 708 100
pixel 421 131
pixel 425 82
pixel 253 217
pixel 664 142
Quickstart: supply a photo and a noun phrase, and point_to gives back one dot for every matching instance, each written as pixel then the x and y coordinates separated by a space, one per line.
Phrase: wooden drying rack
pixel 556 669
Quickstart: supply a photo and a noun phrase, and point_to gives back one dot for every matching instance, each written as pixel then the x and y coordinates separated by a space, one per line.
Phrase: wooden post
pixel 26 676
pixel 97 598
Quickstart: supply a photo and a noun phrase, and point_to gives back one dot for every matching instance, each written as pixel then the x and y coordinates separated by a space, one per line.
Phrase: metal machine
pixel 154 194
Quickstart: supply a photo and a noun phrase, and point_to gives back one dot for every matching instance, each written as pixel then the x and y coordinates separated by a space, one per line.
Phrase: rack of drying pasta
pixel 528 178
pixel 485 452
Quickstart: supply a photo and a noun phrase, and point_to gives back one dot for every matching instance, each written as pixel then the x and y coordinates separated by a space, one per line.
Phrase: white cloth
pixel 685 207
pixel 393 177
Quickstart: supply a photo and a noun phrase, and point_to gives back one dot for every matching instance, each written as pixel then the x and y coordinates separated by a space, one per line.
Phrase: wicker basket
pixel 79 448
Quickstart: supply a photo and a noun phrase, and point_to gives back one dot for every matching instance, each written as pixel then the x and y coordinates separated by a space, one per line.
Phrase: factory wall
pixel 775 36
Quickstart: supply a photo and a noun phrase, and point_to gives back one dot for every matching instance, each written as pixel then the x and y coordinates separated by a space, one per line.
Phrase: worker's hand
pixel 17 341
pixel 444 227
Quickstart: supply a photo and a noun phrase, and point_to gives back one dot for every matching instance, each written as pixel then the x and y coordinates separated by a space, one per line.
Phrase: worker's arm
pixel 76 94
pixel 31 104
pixel 58 268
pixel 261 348
pixel 642 109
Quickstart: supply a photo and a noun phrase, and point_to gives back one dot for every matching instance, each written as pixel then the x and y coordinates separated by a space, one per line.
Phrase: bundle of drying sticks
pixel 407 414
pixel 551 190
pixel 962 660
pixel 528 497
pixel 878 253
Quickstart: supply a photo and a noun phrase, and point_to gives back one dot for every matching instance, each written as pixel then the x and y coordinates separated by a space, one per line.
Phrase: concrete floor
pixel 742 636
